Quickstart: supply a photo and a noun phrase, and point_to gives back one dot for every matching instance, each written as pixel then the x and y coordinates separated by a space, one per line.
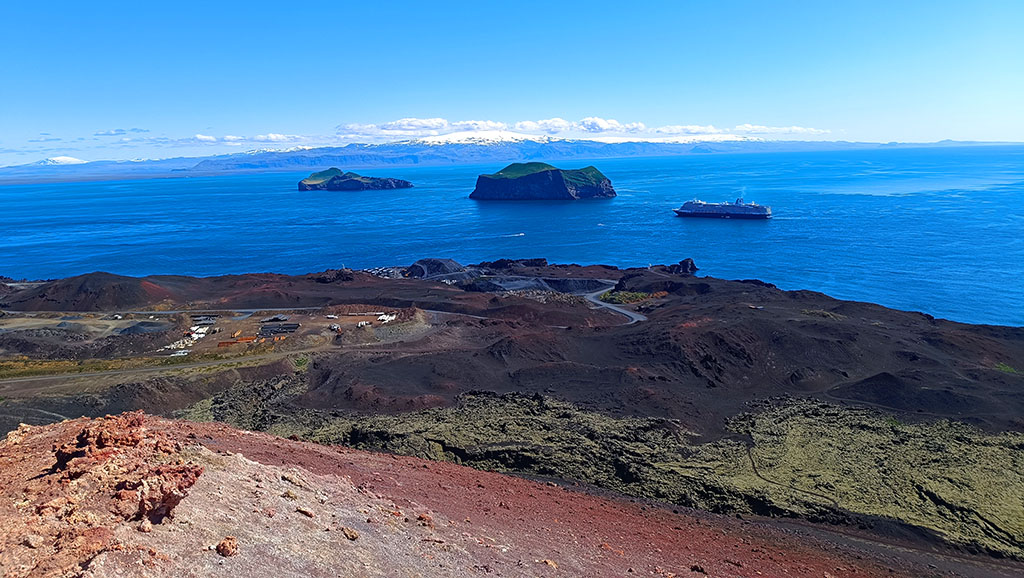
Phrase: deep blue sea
pixel 933 230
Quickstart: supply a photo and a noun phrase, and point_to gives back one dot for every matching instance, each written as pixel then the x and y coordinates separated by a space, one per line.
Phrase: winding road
pixel 595 298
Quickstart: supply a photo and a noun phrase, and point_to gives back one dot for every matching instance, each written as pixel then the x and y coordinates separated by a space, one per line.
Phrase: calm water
pixel 940 231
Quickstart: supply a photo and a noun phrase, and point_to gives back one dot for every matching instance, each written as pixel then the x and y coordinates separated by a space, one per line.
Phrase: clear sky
pixel 113 79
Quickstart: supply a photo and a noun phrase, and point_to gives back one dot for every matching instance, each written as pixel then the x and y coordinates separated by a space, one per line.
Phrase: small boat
pixel 737 210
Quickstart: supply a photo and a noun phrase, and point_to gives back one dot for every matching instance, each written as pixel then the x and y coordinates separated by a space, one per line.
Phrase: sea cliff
pixel 541 181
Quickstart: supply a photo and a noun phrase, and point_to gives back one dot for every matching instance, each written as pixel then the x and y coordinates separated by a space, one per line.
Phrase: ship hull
pixel 747 216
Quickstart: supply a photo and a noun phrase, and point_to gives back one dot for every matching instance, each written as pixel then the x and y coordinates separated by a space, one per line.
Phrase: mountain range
pixel 479 147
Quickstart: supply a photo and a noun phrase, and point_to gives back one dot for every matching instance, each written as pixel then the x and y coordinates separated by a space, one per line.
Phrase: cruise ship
pixel 737 210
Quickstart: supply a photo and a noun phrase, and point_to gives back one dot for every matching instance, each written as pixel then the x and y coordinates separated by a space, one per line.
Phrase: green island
pixel 541 181
pixel 334 179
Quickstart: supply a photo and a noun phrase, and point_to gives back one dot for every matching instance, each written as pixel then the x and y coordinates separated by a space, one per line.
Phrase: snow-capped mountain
pixel 497 147
pixel 54 161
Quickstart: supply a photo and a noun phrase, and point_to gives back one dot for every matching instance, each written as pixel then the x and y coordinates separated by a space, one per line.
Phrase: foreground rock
pixel 541 181
pixel 337 180
pixel 372 515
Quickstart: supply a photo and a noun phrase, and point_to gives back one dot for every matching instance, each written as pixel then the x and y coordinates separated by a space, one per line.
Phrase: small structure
pixel 272 329
pixel 274 319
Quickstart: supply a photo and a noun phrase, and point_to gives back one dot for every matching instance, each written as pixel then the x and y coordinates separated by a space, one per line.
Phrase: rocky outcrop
pixel 433 267
pixel 685 267
pixel 541 181
pixel 333 276
pixel 513 263
pixel 337 180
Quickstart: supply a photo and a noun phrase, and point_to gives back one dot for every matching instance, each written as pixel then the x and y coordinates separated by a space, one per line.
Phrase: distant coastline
pixel 423 153
pixel 929 246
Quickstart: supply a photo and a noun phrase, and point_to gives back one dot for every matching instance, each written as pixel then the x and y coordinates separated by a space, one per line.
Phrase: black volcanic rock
pixel 510 263
pixel 333 276
pixel 541 181
pixel 336 180
pixel 432 267
pixel 684 267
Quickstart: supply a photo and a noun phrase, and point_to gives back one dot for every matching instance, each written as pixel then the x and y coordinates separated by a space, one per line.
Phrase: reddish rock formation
pixel 228 547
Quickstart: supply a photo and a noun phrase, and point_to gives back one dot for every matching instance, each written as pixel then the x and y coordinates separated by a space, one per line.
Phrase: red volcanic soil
pixel 143 496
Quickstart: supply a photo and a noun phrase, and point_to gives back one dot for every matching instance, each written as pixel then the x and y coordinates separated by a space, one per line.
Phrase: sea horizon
pixel 930 230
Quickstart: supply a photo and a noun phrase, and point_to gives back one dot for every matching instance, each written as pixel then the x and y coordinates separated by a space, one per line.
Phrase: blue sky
pixel 138 79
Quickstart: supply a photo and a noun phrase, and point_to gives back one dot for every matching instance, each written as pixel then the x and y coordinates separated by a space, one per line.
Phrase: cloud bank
pixel 120 131
pixel 591 127
pixel 586 127
pixel 436 129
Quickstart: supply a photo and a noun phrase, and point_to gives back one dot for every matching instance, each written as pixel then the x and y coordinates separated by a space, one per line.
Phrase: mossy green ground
pixel 807 459
pixel 581 177
pixel 516 170
pixel 623 297
pixel 324 176
pixel 1007 368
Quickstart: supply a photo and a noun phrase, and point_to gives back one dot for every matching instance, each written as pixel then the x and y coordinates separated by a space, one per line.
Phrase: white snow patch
pixel 61 161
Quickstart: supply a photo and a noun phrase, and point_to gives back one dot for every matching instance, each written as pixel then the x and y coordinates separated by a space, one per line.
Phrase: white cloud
pixel 687 129
pixel 596 124
pixel 277 137
pixel 587 127
pixel 761 129
pixel 120 131
pixel 477 125
pixel 550 126
pixel 415 124
pixel 407 127
pixel 590 127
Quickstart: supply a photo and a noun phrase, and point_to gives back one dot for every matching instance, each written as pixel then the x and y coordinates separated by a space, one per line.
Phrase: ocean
pixel 937 230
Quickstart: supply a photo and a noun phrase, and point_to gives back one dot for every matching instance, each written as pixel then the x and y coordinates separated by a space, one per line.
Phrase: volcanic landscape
pixel 534 419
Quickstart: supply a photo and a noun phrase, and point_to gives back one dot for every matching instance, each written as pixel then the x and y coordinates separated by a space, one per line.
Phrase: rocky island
pixel 334 179
pixel 541 181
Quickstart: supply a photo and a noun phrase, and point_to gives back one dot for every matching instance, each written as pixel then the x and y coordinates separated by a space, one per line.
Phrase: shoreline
pixel 22 284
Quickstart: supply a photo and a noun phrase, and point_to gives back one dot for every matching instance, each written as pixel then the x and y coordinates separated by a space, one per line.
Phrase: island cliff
pixel 337 180
pixel 541 181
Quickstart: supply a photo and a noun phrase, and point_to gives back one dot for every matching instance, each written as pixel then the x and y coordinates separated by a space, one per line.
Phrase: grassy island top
pixel 516 170
pixel 324 176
